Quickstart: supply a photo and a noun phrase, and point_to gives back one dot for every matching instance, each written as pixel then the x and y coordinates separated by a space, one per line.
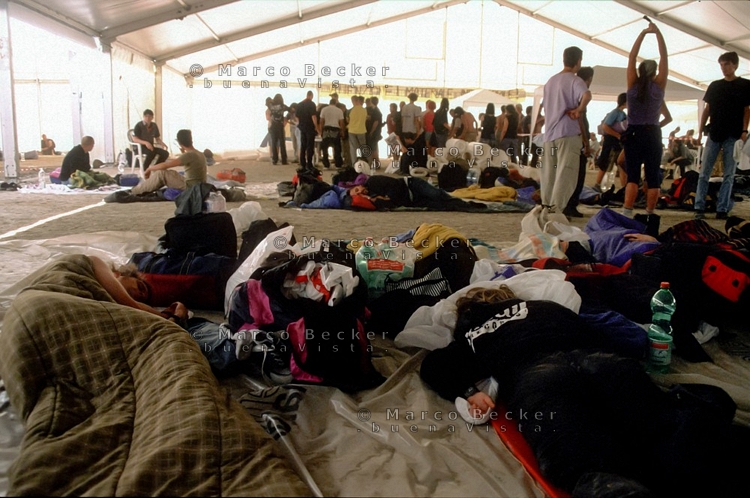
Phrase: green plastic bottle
pixel 663 306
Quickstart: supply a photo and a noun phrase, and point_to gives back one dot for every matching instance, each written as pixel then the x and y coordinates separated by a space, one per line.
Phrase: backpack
pixel 277 113
pixel 452 175
pixel 488 176
pixel 202 234
pixel 309 188
pixel 255 234
pixel 685 186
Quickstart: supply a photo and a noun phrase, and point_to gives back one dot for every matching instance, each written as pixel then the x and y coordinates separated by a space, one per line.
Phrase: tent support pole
pixel 7 98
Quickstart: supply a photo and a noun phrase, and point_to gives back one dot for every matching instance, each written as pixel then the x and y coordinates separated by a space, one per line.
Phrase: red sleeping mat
pixel 516 443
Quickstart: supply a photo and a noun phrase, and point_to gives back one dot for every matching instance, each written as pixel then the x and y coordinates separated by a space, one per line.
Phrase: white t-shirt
pixel 408 113
pixel 331 115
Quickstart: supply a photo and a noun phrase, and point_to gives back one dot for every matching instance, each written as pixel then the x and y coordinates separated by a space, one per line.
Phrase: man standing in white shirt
pixel 331 131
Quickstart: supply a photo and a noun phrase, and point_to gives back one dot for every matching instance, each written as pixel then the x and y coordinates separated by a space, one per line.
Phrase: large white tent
pixel 92 67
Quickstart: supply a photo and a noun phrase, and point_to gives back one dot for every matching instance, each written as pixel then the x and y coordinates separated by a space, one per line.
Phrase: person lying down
pixel 386 192
pixel 583 408
pixel 258 354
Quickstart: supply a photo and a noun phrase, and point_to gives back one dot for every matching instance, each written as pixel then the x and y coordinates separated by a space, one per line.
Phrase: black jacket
pixel 76 159
pixel 499 340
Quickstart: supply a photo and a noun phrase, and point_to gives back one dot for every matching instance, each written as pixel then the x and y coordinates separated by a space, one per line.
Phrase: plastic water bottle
pixel 42 178
pixel 215 203
pixel 365 254
pixel 472 177
pixel 121 162
pixel 660 331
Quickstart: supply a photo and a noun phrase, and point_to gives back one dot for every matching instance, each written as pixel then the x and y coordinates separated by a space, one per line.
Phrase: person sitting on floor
pixel 77 159
pixel 159 175
pixel 47 146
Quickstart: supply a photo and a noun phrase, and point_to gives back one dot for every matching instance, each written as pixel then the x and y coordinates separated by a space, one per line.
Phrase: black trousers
pixel 278 142
pixel 573 202
pixel 161 155
pixel 306 148
pixel 334 141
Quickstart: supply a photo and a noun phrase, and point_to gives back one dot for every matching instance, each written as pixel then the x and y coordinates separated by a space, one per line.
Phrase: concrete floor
pixel 21 210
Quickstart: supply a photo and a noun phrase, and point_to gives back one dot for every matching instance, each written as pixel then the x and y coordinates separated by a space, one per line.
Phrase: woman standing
pixel 488 126
pixel 642 139
pixel 440 123
pixel 278 121
pixel 508 134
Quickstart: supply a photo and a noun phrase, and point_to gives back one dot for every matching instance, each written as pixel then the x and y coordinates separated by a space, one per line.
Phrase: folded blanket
pixel 492 194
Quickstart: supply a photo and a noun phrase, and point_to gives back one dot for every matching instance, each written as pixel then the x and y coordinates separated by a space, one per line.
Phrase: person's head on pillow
pixel 357 198
pixel 134 284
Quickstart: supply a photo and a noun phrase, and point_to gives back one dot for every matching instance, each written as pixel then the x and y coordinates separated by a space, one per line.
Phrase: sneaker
pixel 721 215
pixel 273 355
pixel 700 215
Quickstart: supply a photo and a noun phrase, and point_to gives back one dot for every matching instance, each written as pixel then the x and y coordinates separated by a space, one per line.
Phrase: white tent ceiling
pixel 178 32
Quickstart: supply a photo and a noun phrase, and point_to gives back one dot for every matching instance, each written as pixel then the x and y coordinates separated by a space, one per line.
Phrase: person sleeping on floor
pixel 584 409
pixel 387 192
pixel 259 353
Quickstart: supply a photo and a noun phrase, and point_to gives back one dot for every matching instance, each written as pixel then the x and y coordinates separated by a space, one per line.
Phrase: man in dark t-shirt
pixel 77 159
pixel 307 126
pixel 146 133
pixel 374 125
pixel 727 112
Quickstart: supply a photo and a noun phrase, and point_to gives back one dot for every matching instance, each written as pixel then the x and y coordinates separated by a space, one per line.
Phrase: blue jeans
pixel 214 342
pixel 710 153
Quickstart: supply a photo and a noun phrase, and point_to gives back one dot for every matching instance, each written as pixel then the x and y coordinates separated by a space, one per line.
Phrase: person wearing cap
pixel 335 97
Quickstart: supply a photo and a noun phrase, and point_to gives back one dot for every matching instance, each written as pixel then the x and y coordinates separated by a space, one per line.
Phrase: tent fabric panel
pixel 133 91
pixel 609 15
pixel 168 36
pixel 240 16
pixel 704 62
pixel 102 14
pixel 204 58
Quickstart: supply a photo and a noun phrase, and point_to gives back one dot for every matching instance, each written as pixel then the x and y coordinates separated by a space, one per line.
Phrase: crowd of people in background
pixel 632 140
pixel 354 133
pixel 631 134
